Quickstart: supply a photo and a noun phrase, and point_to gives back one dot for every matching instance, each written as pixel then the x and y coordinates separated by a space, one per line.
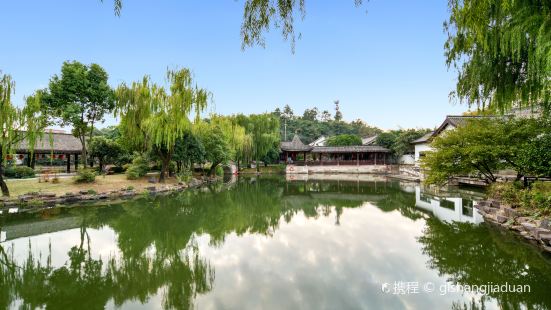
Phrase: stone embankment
pixel 535 230
pixel 33 201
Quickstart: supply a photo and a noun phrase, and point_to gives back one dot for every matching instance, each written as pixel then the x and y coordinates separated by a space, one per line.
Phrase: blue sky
pixel 384 61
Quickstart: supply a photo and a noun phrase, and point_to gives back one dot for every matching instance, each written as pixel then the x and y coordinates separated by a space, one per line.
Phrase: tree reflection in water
pixel 469 254
pixel 156 238
pixel 158 253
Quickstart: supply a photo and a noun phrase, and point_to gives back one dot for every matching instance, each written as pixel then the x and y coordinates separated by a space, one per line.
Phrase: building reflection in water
pixel 449 207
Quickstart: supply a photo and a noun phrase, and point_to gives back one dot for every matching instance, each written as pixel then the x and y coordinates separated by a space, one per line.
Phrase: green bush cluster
pixel 344 140
pixel 19 172
pixel 513 194
pixel 85 176
pixel 184 176
pixel 138 168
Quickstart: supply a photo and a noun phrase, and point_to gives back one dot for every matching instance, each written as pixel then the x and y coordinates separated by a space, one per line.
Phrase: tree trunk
pixel 212 170
pixel 3 185
pixel 165 162
pixel 84 157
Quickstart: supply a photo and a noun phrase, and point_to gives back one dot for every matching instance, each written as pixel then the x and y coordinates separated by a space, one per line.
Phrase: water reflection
pixel 262 243
pixel 450 207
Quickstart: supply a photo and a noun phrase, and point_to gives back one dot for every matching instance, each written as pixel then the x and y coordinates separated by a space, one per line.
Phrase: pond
pixel 272 243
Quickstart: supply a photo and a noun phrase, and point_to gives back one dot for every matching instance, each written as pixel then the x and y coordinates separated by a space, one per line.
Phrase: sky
pixel 384 61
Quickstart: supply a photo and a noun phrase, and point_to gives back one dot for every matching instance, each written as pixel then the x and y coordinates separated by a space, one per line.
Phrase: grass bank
pixel 66 184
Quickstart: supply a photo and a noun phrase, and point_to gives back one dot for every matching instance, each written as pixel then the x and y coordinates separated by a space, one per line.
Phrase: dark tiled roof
pixel 295 146
pixel 350 149
pixel 458 120
pixel 423 139
pixel 62 142
pixel 369 140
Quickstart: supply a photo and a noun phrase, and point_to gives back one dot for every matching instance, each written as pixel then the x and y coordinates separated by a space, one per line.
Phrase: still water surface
pixel 268 243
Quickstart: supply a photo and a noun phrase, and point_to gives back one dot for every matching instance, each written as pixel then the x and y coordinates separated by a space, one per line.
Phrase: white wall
pixel 375 169
pixel 408 159
pixel 421 147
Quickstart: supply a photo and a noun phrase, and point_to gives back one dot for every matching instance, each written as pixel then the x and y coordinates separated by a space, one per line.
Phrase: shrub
pixel 184 176
pixel 92 192
pixel 139 168
pixel 19 172
pixel 506 192
pixel 55 180
pixel 537 197
pixel 134 173
pixel 130 188
pixel 219 171
pixel 85 176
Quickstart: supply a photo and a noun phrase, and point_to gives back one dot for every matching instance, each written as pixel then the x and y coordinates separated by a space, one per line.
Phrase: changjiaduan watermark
pixel 415 287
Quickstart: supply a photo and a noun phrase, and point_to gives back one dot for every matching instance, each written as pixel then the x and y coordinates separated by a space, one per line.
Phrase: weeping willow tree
pixel 152 119
pixel 502 52
pixel 17 124
pixel 259 16
pixel 239 141
pixel 264 131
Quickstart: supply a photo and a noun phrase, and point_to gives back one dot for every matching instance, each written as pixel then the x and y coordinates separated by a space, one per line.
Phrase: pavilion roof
pixel 62 143
pixel 295 145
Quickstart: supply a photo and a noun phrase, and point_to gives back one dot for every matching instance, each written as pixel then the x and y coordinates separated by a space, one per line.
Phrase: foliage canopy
pixel 502 51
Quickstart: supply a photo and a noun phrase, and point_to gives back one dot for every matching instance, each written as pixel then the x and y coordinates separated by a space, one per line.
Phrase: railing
pixel 529 180
pixel 352 162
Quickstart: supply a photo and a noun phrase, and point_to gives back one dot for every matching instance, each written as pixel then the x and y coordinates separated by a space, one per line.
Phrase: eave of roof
pixel 62 143
pixel 350 149
pixel 423 139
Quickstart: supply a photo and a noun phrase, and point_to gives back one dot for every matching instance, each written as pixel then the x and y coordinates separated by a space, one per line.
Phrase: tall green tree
pixel 310 114
pixel 80 98
pixel 18 124
pixel 264 130
pixel 154 119
pixel 399 141
pixel 188 151
pixel 217 148
pixel 502 52
pixel 312 128
pixel 338 113
pixel 107 151
pixel 481 148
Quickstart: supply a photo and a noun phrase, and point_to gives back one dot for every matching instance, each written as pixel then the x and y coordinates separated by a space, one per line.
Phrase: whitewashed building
pixel 422 145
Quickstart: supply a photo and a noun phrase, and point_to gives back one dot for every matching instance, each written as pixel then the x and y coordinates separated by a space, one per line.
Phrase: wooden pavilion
pixel 333 155
pixel 61 147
